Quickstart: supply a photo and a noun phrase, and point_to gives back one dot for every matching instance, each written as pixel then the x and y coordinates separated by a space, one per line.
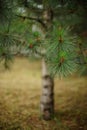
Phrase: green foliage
pixel 6 58
pixel 6 11
pixel 33 43
pixel 7 41
pixel 83 70
pixel 82 57
pixel 61 52
pixel 61 48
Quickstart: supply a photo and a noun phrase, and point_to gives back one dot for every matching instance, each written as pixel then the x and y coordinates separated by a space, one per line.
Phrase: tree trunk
pixel 47 98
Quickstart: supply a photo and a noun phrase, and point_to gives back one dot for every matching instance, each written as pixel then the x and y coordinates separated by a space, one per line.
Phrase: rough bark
pixel 47 97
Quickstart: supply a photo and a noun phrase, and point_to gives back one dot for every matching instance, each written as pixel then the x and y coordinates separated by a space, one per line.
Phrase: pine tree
pixel 59 37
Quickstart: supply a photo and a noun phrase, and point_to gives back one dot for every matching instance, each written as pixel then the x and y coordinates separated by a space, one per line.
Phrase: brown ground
pixel 20 90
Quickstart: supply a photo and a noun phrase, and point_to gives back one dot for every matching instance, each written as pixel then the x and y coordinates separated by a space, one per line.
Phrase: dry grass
pixel 20 90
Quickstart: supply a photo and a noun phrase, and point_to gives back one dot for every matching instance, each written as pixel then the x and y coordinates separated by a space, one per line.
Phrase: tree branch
pixel 35 19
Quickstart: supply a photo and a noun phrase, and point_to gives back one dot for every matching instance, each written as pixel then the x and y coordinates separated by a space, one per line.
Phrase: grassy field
pixel 20 91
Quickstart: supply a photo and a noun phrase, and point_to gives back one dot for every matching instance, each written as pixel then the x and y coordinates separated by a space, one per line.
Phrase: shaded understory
pixel 20 90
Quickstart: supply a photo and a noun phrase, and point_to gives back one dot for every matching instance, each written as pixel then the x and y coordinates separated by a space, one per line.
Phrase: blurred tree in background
pixel 53 30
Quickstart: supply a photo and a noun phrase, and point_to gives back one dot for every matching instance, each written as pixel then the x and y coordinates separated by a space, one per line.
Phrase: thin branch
pixel 35 19
pixel 39 53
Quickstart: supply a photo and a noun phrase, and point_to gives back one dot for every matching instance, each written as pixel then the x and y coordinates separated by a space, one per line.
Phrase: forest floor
pixel 20 91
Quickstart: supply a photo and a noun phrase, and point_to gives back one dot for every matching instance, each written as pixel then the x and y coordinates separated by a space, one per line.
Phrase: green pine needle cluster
pixel 7 41
pixel 61 52
pixel 33 43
